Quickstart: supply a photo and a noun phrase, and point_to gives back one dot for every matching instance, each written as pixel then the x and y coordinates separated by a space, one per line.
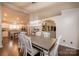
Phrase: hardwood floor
pixel 10 47
pixel 66 51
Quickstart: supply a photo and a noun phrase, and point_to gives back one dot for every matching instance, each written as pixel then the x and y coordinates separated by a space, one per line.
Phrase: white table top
pixel 45 43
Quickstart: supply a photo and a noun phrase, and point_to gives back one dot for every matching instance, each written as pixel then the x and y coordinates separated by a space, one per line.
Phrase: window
pixel 35 23
pixel 14 26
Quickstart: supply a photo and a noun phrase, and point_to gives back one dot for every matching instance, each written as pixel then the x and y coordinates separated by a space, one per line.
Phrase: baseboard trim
pixel 70 47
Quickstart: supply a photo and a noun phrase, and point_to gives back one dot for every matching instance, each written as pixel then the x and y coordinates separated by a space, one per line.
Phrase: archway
pixel 49 26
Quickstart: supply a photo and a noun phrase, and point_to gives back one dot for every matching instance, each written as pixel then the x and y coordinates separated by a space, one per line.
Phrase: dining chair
pixel 46 34
pixel 30 49
pixel 21 43
pixel 20 40
pixel 38 33
pixel 54 50
pixel 26 45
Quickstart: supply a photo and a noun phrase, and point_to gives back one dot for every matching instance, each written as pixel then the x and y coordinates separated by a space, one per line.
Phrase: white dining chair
pixel 54 50
pixel 20 36
pixel 26 45
pixel 38 33
pixel 22 44
pixel 31 50
pixel 46 34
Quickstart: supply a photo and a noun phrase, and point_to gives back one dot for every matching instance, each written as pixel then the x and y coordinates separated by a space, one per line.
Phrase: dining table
pixel 44 44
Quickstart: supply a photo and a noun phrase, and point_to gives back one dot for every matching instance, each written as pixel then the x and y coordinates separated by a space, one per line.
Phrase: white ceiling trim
pixel 16 8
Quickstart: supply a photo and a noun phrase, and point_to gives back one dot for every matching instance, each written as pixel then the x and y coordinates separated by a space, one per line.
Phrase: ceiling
pixel 42 9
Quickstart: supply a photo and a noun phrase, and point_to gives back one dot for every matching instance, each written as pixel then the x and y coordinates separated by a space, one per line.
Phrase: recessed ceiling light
pixel 17 18
pixel 5 14
pixel 22 21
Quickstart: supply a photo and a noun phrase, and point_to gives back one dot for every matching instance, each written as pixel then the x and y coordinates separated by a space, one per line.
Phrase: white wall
pixel 68 26
pixel 0 26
